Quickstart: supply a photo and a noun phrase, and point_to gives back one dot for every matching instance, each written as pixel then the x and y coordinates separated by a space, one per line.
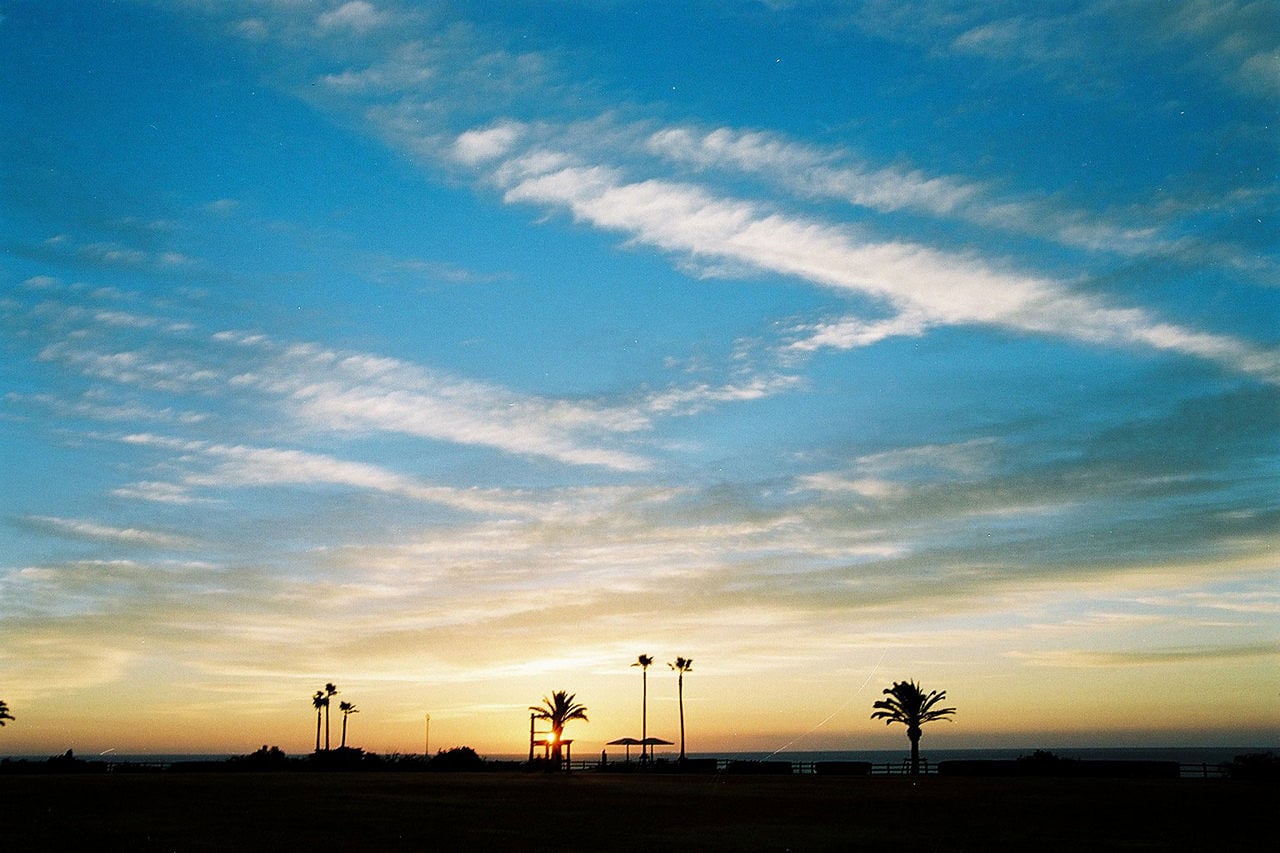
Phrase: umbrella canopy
pixel 655 741
pixel 628 742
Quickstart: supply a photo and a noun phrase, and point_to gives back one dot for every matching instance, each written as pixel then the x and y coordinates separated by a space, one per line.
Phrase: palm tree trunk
pixel 326 726
pixel 644 712
pixel 555 748
pixel 317 729
pixel 915 753
pixel 680 685
pixel 344 732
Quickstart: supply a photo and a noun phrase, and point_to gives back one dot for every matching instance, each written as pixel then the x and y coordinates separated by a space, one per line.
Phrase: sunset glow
pixel 458 353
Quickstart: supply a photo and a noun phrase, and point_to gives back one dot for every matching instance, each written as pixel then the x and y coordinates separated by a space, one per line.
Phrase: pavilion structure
pixel 547 742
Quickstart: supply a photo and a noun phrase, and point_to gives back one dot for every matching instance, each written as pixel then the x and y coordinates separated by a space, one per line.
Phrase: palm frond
pixel 910 705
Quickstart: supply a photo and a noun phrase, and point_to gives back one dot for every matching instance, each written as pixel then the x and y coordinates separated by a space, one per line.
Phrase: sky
pixel 456 353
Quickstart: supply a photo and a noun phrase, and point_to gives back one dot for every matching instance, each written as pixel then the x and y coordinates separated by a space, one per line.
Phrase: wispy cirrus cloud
pixel 240 466
pixel 891 473
pixel 595 169
pixel 567 165
pixel 109 254
pixel 1241 37
pixel 358 15
pixel 93 531
pixel 326 390
pixel 927 285
pixel 1233 42
pixel 812 173
pixel 1073 659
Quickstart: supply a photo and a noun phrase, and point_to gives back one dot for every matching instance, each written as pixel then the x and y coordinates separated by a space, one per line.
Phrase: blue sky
pixel 464 351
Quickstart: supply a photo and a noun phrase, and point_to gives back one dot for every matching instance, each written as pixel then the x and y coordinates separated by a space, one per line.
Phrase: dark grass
pixel 517 811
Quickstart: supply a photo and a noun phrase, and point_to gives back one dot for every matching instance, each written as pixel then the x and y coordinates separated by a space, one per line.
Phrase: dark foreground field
pixel 512 811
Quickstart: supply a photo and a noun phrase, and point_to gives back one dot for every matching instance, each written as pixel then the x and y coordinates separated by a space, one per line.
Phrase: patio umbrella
pixel 628 742
pixel 655 741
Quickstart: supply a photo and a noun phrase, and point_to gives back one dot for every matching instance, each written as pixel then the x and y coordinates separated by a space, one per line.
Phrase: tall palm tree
pixel 347 710
pixel 911 706
pixel 559 708
pixel 4 712
pixel 329 690
pixel 682 665
pixel 644 662
pixel 319 702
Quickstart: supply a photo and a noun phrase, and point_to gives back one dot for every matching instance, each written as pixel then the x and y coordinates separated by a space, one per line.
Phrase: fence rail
pixel 1201 770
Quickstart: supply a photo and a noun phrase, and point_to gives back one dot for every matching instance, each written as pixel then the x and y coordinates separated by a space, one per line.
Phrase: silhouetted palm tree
pixel 347 710
pixel 559 708
pixel 4 712
pixel 911 706
pixel 319 702
pixel 682 665
pixel 329 690
pixel 644 662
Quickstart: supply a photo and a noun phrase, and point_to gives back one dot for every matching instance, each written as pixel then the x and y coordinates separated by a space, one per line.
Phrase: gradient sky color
pixel 463 351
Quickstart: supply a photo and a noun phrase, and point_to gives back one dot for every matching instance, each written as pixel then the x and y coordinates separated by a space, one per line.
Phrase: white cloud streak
pixel 924 286
pixel 812 173
pixel 93 531
pixel 357 16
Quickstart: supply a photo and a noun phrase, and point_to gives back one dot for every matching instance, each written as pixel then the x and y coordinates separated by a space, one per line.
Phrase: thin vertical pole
pixel 426 739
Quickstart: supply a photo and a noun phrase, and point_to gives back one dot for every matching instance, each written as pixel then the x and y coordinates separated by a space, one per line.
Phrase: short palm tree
pixel 644 662
pixel 319 702
pixel 559 708
pixel 682 665
pixel 347 710
pixel 329 690
pixel 911 706
pixel 4 712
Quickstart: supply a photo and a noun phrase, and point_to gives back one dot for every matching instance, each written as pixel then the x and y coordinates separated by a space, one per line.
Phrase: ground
pixel 183 811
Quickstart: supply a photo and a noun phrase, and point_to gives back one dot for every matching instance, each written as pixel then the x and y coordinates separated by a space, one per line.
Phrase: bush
pixel 1254 765
pixel 458 758
pixel 272 758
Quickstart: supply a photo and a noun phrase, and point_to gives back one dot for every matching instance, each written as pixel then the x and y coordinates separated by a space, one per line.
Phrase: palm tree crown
pixel 329 690
pixel 910 705
pixel 559 708
pixel 4 712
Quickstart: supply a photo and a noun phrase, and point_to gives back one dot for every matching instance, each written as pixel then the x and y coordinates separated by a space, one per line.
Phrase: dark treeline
pixel 1258 766
pixel 271 759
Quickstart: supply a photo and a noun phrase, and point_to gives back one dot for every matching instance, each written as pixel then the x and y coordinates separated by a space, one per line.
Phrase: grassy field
pixel 513 811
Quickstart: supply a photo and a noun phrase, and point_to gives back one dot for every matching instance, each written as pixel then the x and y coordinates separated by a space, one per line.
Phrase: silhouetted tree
pixel 1253 765
pixel 458 758
pixel 4 712
pixel 347 710
pixel 911 706
pixel 320 702
pixel 559 708
pixel 329 690
pixel 264 758
pixel 682 665
pixel 644 662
